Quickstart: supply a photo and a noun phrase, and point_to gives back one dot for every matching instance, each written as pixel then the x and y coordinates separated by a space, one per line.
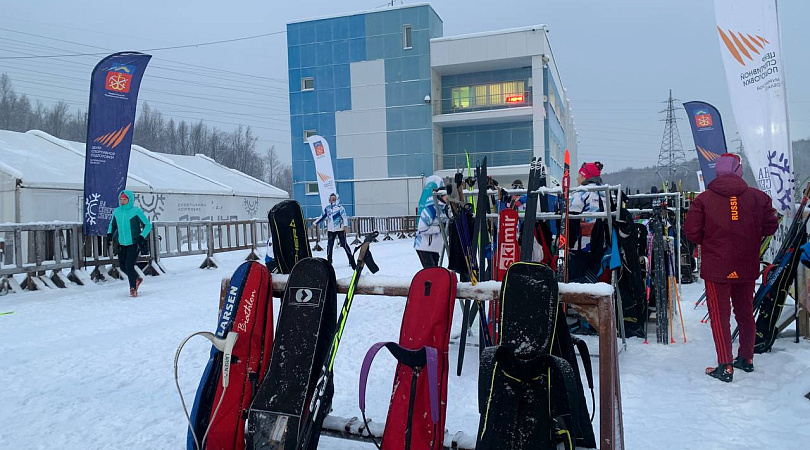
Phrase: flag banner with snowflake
pixel 114 87
pixel 707 131
pixel 748 31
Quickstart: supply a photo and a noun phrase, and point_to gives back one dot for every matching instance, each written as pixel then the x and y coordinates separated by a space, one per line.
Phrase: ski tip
pixel 567 159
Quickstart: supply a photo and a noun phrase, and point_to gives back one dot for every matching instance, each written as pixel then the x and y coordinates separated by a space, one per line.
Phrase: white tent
pixel 42 179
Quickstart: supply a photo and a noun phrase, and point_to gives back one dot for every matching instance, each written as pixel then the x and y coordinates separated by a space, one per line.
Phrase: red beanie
pixel 590 170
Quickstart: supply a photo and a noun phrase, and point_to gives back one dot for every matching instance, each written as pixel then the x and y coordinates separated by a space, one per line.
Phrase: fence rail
pixel 41 252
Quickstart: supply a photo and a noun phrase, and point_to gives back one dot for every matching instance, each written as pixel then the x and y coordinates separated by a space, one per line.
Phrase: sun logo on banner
pixel 112 139
pixel 739 44
pixel 91 204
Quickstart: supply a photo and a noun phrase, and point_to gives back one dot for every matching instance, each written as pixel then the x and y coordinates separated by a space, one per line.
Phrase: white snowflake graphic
pixel 91 202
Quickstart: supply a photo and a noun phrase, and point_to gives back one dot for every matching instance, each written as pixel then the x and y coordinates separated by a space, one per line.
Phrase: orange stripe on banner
pixel 99 139
pixel 107 139
pixel 730 47
pixel 121 137
pixel 115 137
pixel 764 41
pixel 753 49
pixel 740 45
pixel 755 41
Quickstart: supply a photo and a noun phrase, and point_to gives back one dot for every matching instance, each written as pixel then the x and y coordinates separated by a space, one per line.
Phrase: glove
pixel 109 238
pixel 139 241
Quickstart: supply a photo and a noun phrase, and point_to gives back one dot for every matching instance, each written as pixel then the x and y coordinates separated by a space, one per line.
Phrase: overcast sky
pixel 618 59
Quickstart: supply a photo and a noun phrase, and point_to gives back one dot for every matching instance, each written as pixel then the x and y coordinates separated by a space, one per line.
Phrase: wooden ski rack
pixel 592 300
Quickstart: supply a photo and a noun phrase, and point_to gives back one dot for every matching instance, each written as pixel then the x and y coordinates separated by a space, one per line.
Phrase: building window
pixel 407 37
pixel 307 84
pixel 312 188
pixel 308 133
pixel 509 93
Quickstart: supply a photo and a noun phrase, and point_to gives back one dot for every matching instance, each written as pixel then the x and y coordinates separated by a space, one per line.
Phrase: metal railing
pixel 40 252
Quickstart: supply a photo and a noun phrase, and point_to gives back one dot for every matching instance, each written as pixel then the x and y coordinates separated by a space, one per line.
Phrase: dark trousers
pixel 428 259
pixel 127 255
pixel 742 297
pixel 330 244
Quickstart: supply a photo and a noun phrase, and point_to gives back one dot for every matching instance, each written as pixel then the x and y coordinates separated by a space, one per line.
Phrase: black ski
pixel 530 218
pixel 306 323
pixel 660 274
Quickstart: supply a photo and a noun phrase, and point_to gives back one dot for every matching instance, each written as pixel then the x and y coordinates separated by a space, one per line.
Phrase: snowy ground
pixel 90 368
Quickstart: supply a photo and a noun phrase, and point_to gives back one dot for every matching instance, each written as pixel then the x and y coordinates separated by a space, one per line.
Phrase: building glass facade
pixel 360 82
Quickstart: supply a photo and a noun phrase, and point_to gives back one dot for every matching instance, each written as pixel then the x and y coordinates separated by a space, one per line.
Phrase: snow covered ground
pixel 90 368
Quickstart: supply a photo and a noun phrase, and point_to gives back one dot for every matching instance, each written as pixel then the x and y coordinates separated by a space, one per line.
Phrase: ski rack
pixel 596 301
pixel 677 209
pixel 612 192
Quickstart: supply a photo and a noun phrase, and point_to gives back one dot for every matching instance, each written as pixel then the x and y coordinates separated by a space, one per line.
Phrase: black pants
pixel 330 244
pixel 127 255
pixel 428 259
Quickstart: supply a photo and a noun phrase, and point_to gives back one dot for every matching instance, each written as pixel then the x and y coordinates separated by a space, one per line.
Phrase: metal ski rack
pixel 611 192
pixel 677 209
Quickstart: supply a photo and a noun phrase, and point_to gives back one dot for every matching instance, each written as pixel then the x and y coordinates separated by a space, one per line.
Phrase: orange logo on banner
pixel 114 138
pixel 739 44
pixel 710 156
pixel 323 177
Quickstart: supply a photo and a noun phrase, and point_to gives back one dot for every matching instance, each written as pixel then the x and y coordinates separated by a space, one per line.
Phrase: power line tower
pixel 671 157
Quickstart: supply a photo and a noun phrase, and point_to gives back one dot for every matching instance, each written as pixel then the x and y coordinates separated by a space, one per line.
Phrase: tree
pixel 271 165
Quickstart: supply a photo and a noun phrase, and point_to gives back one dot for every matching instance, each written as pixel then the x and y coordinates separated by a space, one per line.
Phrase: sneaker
pixel 723 372
pixel 138 283
pixel 133 292
pixel 743 364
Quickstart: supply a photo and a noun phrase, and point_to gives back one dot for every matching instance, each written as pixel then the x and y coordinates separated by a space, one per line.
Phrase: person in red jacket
pixel 728 221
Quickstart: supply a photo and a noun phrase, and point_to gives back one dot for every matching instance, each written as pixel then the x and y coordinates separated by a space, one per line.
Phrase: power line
pixel 174 47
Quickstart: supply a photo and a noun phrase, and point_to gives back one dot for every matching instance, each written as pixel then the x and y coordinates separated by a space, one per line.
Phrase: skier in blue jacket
pixel 337 224
pixel 130 227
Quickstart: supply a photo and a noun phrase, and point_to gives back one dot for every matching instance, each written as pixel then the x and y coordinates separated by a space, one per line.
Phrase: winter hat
pixel 728 164
pixel 590 170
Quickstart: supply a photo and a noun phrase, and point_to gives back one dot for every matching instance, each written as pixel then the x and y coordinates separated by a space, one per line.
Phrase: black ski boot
pixel 723 372
pixel 743 364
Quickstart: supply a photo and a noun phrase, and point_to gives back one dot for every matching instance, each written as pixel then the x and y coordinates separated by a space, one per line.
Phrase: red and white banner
pixel 748 31
pixel 323 168
pixel 508 248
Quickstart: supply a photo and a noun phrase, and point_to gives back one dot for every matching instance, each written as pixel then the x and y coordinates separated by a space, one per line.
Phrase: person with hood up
pixel 428 242
pixel 728 221
pixel 581 202
pixel 130 227
pixel 337 224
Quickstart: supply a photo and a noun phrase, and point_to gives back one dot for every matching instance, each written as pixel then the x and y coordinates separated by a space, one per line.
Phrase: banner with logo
pixel 707 132
pixel 508 249
pixel 752 55
pixel 114 88
pixel 323 168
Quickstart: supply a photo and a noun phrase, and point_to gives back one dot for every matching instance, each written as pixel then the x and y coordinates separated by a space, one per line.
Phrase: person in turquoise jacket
pixel 129 226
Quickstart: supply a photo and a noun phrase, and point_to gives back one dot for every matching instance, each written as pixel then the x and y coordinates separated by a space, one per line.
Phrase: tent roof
pixel 207 167
pixel 40 160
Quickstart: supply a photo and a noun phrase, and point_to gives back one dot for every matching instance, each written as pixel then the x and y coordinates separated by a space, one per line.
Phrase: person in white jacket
pixel 337 224
pixel 428 242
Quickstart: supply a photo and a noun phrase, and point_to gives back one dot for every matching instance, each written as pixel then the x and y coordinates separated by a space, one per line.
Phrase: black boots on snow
pixel 742 364
pixel 723 372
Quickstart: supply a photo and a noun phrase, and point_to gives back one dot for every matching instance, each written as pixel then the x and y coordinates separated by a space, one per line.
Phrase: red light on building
pixel 514 99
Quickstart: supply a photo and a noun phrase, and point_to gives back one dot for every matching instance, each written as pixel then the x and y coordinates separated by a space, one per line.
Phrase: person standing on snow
pixel 337 224
pixel 590 174
pixel 130 227
pixel 428 242
pixel 728 221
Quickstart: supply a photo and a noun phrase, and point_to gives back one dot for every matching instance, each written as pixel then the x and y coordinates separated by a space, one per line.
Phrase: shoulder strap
pixel 585 357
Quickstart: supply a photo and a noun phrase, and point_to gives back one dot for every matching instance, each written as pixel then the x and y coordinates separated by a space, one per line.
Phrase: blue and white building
pixel 397 102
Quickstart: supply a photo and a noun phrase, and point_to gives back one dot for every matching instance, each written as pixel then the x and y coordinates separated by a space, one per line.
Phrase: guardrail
pixel 42 251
